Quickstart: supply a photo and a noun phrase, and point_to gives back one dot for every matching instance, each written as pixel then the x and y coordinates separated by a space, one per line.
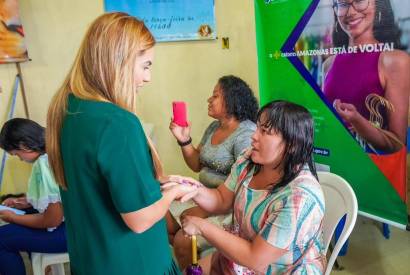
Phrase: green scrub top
pixel 108 170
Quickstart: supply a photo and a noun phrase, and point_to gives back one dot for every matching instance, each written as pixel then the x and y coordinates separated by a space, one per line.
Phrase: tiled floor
pixel 370 253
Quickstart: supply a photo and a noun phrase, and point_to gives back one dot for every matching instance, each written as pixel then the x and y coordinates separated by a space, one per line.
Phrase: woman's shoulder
pixel 101 109
pixel 41 180
pixel 394 66
pixel 117 117
pixel 213 125
pixel 395 60
pixel 247 125
pixel 43 158
pixel 122 127
pixel 305 179
pixel 245 129
pixel 41 162
pixel 306 185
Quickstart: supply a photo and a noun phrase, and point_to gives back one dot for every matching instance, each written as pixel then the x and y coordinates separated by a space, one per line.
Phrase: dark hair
pixel 238 97
pixel 295 124
pixel 385 30
pixel 18 132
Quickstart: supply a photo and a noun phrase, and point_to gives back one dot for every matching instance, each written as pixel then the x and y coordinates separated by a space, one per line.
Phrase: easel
pixel 17 80
pixel 23 90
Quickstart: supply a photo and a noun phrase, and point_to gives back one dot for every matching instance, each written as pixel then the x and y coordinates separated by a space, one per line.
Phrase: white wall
pixel 182 70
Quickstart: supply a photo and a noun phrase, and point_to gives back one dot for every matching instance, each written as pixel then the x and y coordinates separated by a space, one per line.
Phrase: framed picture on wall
pixel 171 20
pixel 12 45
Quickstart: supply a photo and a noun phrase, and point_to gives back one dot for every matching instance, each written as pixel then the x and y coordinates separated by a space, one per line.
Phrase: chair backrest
pixel 340 200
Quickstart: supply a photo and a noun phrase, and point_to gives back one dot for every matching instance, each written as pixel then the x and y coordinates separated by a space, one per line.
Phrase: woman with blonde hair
pixel 102 160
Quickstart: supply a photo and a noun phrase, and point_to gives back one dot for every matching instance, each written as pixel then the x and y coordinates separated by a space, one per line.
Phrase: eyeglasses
pixel 341 7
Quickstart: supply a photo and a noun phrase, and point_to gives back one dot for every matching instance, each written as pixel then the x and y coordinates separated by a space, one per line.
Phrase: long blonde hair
pixel 103 70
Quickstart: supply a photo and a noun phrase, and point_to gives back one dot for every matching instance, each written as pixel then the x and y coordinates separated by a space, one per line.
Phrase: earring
pixel 380 16
pixel 336 27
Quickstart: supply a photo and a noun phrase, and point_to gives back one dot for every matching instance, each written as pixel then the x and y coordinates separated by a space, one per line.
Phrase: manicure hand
pixel 181 191
pixel 182 134
pixel 7 215
pixel 19 203
pixel 184 181
pixel 191 225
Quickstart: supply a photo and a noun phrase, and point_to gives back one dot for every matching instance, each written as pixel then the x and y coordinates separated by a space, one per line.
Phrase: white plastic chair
pixel 39 262
pixel 340 199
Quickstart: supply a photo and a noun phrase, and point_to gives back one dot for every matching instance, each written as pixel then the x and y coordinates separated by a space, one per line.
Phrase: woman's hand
pixel 7 216
pixel 347 111
pixel 171 178
pixel 10 202
pixel 182 192
pixel 184 181
pixel 182 134
pixel 18 203
pixel 192 225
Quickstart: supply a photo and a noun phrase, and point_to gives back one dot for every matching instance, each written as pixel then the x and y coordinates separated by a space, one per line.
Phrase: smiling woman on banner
pixel 370 89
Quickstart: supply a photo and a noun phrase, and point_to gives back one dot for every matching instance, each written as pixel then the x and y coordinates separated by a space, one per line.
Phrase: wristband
pixel 185 143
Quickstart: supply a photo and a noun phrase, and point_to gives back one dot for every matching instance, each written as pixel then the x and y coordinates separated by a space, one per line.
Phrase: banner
pixel 347 62
pixel 171 20
pixel 12 46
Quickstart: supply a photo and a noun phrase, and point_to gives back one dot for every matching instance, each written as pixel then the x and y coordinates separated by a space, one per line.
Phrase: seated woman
pixel 43 229
pixel 277 200
pixel 234 108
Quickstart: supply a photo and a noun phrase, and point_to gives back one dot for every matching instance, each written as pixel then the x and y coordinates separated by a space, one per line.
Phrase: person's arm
pixel 213 200
pixel 280 231
pixel 125 164
pixel 41 178
pixel 141 220
pixel 52 217
pixel 396 67
pixel 394 73
pixel 371 134
pixel 191 156
pixel 189 152
pixel 216 200
pixel 256 254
